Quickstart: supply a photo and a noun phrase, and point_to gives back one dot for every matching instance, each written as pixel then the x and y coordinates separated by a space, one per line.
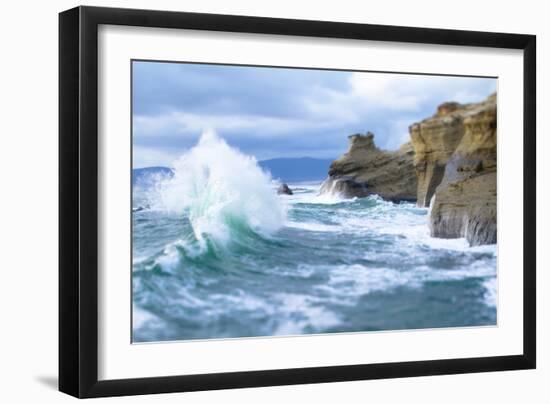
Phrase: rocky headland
pixel 449 165
pixel 365 169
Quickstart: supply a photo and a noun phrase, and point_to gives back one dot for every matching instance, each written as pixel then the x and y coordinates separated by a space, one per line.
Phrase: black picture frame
pixel 78 201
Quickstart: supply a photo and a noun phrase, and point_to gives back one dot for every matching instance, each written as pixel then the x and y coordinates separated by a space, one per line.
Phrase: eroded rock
pixel 365 169
pixel 456 166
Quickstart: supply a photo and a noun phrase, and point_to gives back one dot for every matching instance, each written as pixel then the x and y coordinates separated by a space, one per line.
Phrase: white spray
pixel 218 188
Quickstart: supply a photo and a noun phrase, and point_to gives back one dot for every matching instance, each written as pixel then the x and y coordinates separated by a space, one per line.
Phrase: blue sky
pixel 278 112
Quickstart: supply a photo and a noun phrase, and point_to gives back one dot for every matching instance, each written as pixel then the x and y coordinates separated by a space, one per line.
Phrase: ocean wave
pixel 309 194
pixel 189 253
pixel 222 192
pixel 315 199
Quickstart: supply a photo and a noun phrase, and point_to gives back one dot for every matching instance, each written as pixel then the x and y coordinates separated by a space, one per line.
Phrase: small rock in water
pixel 140 208
pixel 284 189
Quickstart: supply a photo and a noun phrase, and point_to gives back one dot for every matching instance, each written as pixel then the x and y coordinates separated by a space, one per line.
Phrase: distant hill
pixel 297 169
pixel 283 169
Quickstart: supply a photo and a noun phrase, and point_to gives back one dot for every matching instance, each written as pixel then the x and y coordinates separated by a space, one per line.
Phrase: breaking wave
pixel 223 193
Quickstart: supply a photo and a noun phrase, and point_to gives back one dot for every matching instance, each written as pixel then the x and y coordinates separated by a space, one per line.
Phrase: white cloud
pixel 408 92
pixel 375 97
pixel 183 123
pixel 383 103
pixel 152 156
pixel 396 92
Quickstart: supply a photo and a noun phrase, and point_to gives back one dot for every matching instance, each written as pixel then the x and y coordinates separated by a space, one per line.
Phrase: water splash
pixel 223 192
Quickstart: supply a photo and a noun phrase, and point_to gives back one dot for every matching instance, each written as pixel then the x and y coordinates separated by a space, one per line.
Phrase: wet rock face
pixel 466 208
pixel 366 170
pixel 456 166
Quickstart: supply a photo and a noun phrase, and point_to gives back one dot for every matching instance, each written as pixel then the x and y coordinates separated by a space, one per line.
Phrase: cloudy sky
pixel 277 112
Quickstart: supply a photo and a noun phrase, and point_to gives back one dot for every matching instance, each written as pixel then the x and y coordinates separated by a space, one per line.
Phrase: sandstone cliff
pixel 366 170
pixel 434 141
pixel 455 161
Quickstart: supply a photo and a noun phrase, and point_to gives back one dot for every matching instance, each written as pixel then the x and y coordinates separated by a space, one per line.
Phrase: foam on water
pixel 347 282
pixel 491 292
pixel 311 226
pixel 140 317
pixel 299 312
pixel 309 193
pixel 385 218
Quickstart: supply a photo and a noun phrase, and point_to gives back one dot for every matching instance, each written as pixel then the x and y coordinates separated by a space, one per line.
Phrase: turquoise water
pixel 220 256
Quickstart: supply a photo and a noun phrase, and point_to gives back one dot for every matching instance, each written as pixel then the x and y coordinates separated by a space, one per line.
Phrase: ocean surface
pixel 218 254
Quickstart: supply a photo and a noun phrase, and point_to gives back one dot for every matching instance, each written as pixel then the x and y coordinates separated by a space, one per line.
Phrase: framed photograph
pixel 251 201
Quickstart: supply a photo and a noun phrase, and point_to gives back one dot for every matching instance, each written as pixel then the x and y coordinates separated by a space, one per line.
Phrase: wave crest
pixel 223 192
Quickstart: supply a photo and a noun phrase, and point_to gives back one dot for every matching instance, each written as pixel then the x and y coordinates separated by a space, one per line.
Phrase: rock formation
pixel 434 140
pixel 455 161
pixel 449 165
pixel 366 170
pixel 284 190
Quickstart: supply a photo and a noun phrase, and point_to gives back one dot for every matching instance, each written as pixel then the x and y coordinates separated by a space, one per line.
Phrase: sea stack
pixel 455 161
pixel 365 169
